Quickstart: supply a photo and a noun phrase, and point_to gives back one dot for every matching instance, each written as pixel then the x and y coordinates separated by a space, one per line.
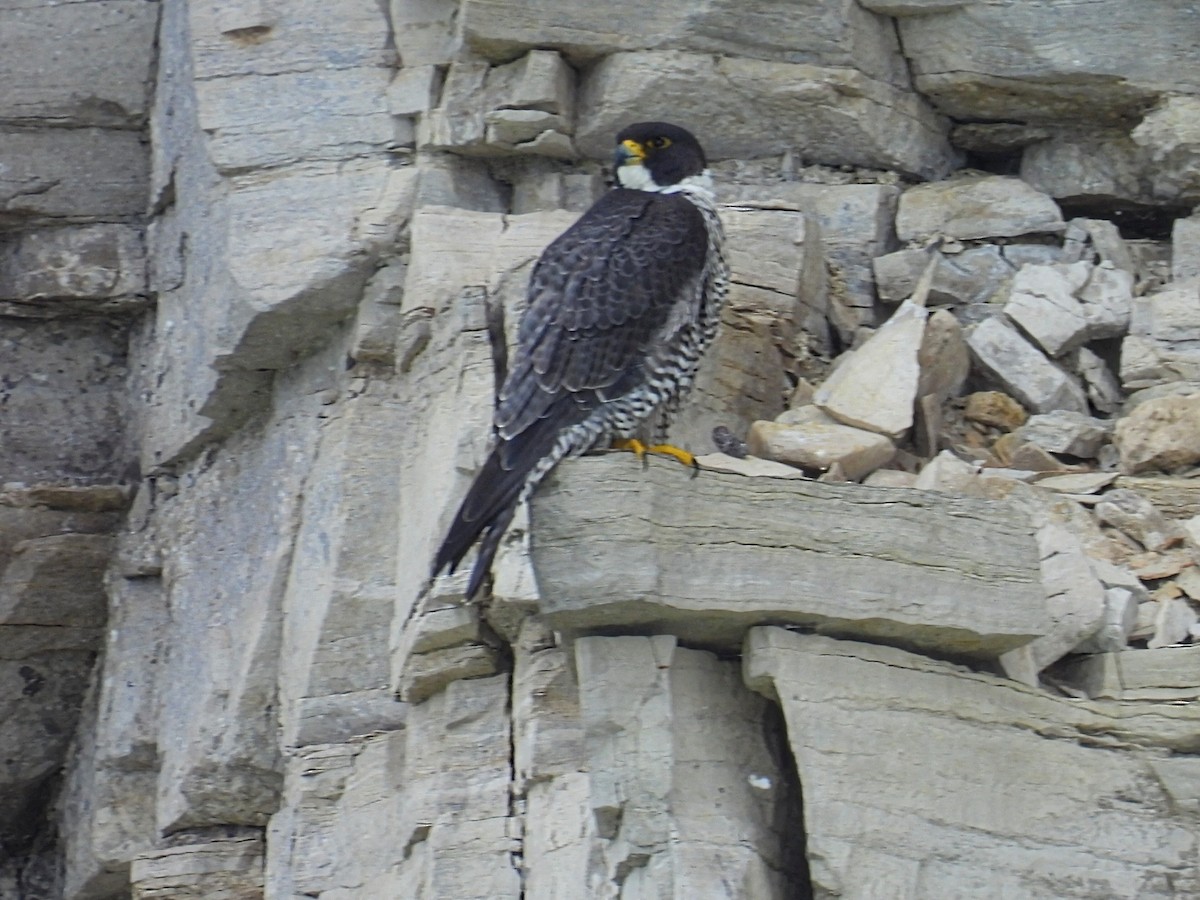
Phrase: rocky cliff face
pixel 257 265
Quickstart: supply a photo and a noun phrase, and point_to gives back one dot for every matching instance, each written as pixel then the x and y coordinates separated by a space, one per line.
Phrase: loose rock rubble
pixel 1043 400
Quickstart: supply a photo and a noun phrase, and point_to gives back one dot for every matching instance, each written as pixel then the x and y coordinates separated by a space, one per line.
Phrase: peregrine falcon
pixel 620 308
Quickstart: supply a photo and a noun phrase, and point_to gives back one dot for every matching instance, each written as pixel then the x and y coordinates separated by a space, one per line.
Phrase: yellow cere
pixel 638 151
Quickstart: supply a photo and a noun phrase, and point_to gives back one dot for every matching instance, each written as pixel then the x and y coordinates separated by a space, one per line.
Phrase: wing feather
pixel 598 297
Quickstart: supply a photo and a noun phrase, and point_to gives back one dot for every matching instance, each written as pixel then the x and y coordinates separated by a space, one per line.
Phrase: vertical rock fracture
pixel 621 307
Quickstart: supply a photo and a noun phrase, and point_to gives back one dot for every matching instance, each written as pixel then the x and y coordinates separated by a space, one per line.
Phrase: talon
pixel 678 454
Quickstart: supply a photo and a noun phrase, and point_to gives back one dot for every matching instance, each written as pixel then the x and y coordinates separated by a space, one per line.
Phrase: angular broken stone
pixel 1168 136
pixel 1103 388
pixel 1185 248
pixel 995 408
pixel 1169 674
pixel 977 207
pixel 1164 337
pixel 1025 372
pixel 1043 305
pixel 972 276
pixel 945 472
pixel 1075 600
pixel 750 465
pixel 876 387
pixel 1107 300
pixel 1062 431
pixel 1159 434
pixel 944 359
pixel 1120 619
pixel 1032 458
pixel 1172 623
pixel 1134 515
pixel 811 440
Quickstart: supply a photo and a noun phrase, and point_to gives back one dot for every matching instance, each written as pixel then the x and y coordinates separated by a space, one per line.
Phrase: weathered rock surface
pixel 876 387
pixel 659 558
pixel 1164 337
pixel 1159 434
pixel 980 207
pixel 1063 73
pixel 1022 370
pixel 1067 432
pixel 767 107
pixel 811 440
pixel 863 721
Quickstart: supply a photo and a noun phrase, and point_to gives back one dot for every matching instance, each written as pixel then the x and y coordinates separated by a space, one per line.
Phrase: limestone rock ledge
pixel 618 546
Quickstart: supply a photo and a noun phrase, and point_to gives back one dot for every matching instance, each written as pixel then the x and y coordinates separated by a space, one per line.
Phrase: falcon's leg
pixel 633 444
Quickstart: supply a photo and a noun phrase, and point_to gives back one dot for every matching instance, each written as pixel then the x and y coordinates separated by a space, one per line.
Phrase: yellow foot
pixel 640 449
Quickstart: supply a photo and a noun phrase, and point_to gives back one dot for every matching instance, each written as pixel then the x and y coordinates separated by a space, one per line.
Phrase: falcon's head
pixel 657 156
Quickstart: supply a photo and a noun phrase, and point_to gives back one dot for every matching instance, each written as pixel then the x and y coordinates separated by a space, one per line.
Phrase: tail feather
pixel 491 501
pixel 494 493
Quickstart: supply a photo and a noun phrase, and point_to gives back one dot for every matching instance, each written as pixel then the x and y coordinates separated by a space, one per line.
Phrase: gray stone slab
pixel 1012 60
pixel 72 175
pixel 77 63
pixel 617 546
pixel 975 207
pixel 823 32
pixel 1023 370
pixel 923 780
pixel 838 115
pixel 65 409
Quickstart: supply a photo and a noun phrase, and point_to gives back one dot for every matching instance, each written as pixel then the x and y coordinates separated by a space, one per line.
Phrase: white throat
pixel 638 178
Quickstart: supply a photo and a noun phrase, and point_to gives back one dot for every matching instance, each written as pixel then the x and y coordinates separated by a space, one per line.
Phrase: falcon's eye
pixel 659 143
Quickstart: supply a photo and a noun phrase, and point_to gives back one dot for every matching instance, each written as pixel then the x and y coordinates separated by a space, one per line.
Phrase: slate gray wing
pixel 598 298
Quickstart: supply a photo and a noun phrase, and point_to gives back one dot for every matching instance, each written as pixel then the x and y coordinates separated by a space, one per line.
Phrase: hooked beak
pixel 629 153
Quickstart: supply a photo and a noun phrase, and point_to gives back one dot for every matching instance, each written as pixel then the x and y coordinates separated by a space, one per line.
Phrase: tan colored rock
pixel 996 409
pixel 816 442
pixel 876 387
pixel 1159 434
pixel 975 207
pixel 229 866
pixel 751 466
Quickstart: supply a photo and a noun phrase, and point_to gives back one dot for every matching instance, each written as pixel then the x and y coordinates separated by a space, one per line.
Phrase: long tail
pixel 487 510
